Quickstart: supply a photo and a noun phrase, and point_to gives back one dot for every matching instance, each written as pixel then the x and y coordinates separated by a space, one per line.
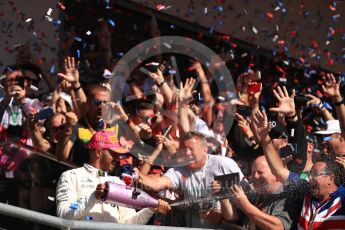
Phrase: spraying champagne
pixel 129 197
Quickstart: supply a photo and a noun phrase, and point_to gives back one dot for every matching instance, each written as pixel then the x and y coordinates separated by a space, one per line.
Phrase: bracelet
pixel 321 106
pixel 339 103
pixel 160 83
pixel 76 89
pixel 291 117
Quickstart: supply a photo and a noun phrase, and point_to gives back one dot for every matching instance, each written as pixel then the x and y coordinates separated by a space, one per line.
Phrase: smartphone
pixel 254 87
pixel 152 67
pixel 44 114
pixel 227 181
pixel 20 81
pixel 244 110
pixel 197 98
pixel 289 149
pixel 193 74
pixel 301 99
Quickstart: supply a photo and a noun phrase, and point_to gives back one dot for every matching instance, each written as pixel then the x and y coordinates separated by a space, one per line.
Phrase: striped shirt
pixel 316 216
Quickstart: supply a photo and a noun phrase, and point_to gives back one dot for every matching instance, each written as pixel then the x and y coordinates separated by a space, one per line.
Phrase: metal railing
pixel 57 222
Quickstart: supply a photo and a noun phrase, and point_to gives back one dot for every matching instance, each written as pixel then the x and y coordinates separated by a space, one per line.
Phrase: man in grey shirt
pixel 196 177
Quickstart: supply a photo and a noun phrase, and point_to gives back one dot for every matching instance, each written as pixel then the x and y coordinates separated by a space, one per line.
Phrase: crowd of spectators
pixel 287 142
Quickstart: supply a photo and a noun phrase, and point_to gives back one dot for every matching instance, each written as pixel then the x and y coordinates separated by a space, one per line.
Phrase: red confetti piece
pixel 61 6
pixel 319 94
pixel 281 42
pixel 233 45
pixel 269 15
pixel 301 60
pixel 226 37
pixel 293 33
pixel 330 61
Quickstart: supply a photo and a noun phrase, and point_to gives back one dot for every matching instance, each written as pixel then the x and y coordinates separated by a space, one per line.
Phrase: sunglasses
pixel 99 102
pixel 60 127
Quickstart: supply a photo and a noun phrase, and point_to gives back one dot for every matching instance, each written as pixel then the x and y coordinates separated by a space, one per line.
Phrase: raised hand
pixel 185 93
pixel 71 72
pixel 314 101
pixel 243 123
pixel 260 122
pixel 286 103
pixel 332 87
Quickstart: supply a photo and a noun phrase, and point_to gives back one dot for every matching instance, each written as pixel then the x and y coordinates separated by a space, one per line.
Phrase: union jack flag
pixel 330 215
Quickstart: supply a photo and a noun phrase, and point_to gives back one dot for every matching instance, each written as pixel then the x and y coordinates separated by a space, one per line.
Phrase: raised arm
pixel 332 88
pixel 185 96
pixel 72 76
pixel 316 102
pixel 275 163
pixel 65 145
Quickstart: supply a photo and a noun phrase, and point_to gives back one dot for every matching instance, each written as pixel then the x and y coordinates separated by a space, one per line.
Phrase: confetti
pixel 49 11
pixel 162 7
pixel 28 20
pixel 51 198
pixel 111 22
pixel 52 69
pixel 88 32
pixel 78 39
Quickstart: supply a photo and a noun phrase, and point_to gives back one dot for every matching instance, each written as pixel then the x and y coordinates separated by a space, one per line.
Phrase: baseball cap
pixel 332 127
pixel 107 140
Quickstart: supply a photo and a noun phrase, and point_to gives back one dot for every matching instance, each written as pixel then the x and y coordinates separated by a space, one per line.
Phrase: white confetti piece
pixel 49 11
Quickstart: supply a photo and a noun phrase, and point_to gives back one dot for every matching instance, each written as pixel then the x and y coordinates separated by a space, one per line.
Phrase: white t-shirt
pixel 196 184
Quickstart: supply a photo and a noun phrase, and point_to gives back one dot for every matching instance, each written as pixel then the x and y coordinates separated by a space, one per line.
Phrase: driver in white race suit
pixel 79 191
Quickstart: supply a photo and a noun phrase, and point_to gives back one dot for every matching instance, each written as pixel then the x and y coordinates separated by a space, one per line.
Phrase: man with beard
pixel 80 191
pixel 267 208
pixel 323 195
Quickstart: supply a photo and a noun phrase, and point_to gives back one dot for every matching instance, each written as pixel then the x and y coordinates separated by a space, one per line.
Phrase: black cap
pixel 278 130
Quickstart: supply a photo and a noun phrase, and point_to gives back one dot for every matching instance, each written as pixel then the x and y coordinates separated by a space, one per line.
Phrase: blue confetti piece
pixel 172 71
pixel 172 27
pixel 318 57
pixel 335 17
pixel 111 22
pixel 343 37
pixel 9 68
pixel 57 22
pixel 211 29
pixel 78 53
pixel 52 69
pixel 84 45
pixel 327 138
pixel 219 8
pixel 343 56
pixel 328 106
pixel 119 54
pixel 78 39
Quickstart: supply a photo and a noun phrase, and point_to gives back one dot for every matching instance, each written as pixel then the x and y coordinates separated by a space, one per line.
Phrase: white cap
pixel 332 127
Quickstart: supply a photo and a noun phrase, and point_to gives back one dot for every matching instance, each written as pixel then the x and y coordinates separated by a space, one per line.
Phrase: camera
pixel 301 99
